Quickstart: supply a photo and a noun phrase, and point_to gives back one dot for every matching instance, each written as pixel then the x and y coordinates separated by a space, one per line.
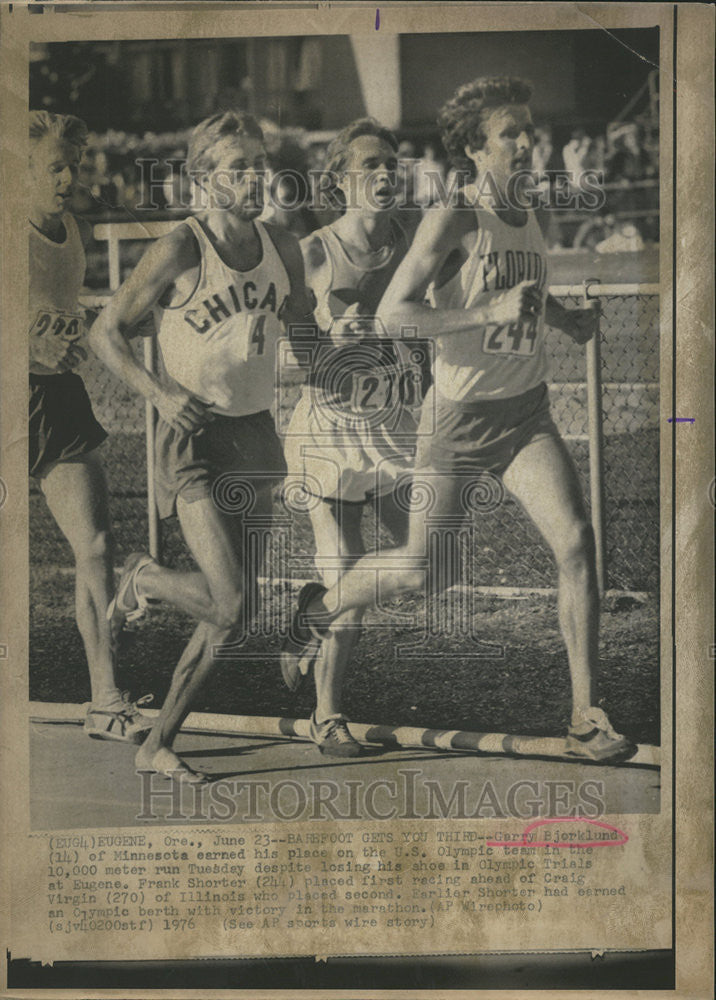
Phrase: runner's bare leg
pixel 543 478
pixel 214 539
pixel 337 533
pixel 76 493
pixel 406 568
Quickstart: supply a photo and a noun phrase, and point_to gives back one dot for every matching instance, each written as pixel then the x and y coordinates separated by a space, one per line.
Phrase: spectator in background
pixel 545 156
pixel 545 161
pixel 628 161
pixel 628 166
pixel 575 154
pixel 596 154
pixel 429 178
pixel 405 194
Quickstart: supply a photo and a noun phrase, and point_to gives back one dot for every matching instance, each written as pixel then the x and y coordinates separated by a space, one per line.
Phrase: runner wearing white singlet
pixel 220 285
pixel 64 435
pixel 483 264
pixel 352 434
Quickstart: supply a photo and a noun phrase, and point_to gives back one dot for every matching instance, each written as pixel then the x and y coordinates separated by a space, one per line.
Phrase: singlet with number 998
pixel 57 272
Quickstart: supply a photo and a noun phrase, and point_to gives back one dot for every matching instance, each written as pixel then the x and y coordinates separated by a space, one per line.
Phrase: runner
pixel 64 436
pixel 221 286
pixel 352 434
pixel 483 264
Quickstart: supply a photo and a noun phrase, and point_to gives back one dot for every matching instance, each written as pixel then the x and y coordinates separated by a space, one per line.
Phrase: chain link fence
pixel 507 549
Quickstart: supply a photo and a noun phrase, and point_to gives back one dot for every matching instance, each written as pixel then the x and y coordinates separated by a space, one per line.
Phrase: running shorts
pixel 346 457
pixel 464 438
pixel 189 464
pixel 62 424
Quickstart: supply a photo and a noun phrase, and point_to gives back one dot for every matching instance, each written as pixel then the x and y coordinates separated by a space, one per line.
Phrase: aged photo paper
pixel 357 619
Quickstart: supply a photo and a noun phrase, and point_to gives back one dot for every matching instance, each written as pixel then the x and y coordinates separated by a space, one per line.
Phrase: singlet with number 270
pixel 376 376
pixel 493 361
pixel 221 343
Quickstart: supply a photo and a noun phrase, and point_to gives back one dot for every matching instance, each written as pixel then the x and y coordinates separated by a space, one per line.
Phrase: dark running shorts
pixel 188 465
pixel 62 424
pixel 483 436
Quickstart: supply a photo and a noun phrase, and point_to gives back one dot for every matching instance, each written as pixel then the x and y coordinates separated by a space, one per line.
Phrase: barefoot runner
pixel 221 286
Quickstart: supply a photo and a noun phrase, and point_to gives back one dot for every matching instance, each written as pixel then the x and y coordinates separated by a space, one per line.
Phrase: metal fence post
pixel 150 414
pixel 113 260
pixel 596 441
pixel 150 422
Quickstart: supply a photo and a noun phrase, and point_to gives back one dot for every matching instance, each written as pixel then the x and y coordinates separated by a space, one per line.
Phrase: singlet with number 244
pixel 493 361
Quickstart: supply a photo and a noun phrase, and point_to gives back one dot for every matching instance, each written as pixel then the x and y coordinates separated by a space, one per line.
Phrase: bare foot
pixel 164 761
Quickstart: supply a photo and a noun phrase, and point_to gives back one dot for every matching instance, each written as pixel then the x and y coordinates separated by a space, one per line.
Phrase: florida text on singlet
pixel 493 361
pixel 57 271
pixel 376 375
pixel 221 343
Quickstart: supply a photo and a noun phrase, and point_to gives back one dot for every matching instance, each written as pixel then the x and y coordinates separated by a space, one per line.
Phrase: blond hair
pixel 67 127
pixel 215 131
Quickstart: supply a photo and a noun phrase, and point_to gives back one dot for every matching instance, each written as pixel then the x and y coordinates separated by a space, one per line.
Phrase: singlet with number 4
pixel 493 361
pixel 57 271
pixel 220 344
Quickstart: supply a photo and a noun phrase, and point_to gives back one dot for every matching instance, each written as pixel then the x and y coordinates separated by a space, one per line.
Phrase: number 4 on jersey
pixel 257 338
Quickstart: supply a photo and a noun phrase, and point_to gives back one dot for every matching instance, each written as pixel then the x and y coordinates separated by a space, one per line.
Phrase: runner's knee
pixel 229 612
pixel 96 546
pixel 349 619
pixel 412 578
pixel 575 547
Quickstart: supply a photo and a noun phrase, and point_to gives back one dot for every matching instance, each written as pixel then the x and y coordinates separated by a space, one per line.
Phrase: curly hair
pixel 67 127
pixel 213 131
pixel 462 118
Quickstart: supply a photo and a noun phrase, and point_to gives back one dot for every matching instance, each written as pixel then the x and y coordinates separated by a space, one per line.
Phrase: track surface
pixel 78 783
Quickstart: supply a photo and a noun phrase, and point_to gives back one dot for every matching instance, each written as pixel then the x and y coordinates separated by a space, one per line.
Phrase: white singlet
pixel 57 272
pixel 493 361
pixel 221 343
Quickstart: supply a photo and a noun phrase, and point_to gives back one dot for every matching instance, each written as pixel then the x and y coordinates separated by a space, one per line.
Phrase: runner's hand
pixel 350 328
pixel 520 302
pixel 582 324
pixel 181 409
pixel 55 352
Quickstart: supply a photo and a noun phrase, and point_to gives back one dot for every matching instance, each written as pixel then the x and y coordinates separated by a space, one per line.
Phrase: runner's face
pixel 509 142
pixel 54 165
pixel 239 176
pixel 370 175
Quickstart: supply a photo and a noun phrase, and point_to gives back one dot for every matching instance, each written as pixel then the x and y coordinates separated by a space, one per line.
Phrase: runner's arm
pixel 154 275
pixel 300 303
pixel 438 236
pixel 579 324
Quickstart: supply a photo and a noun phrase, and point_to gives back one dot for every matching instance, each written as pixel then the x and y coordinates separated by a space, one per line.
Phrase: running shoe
pixel 125 724
pixel 127 605
pixel 332 737
pixel 595 739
